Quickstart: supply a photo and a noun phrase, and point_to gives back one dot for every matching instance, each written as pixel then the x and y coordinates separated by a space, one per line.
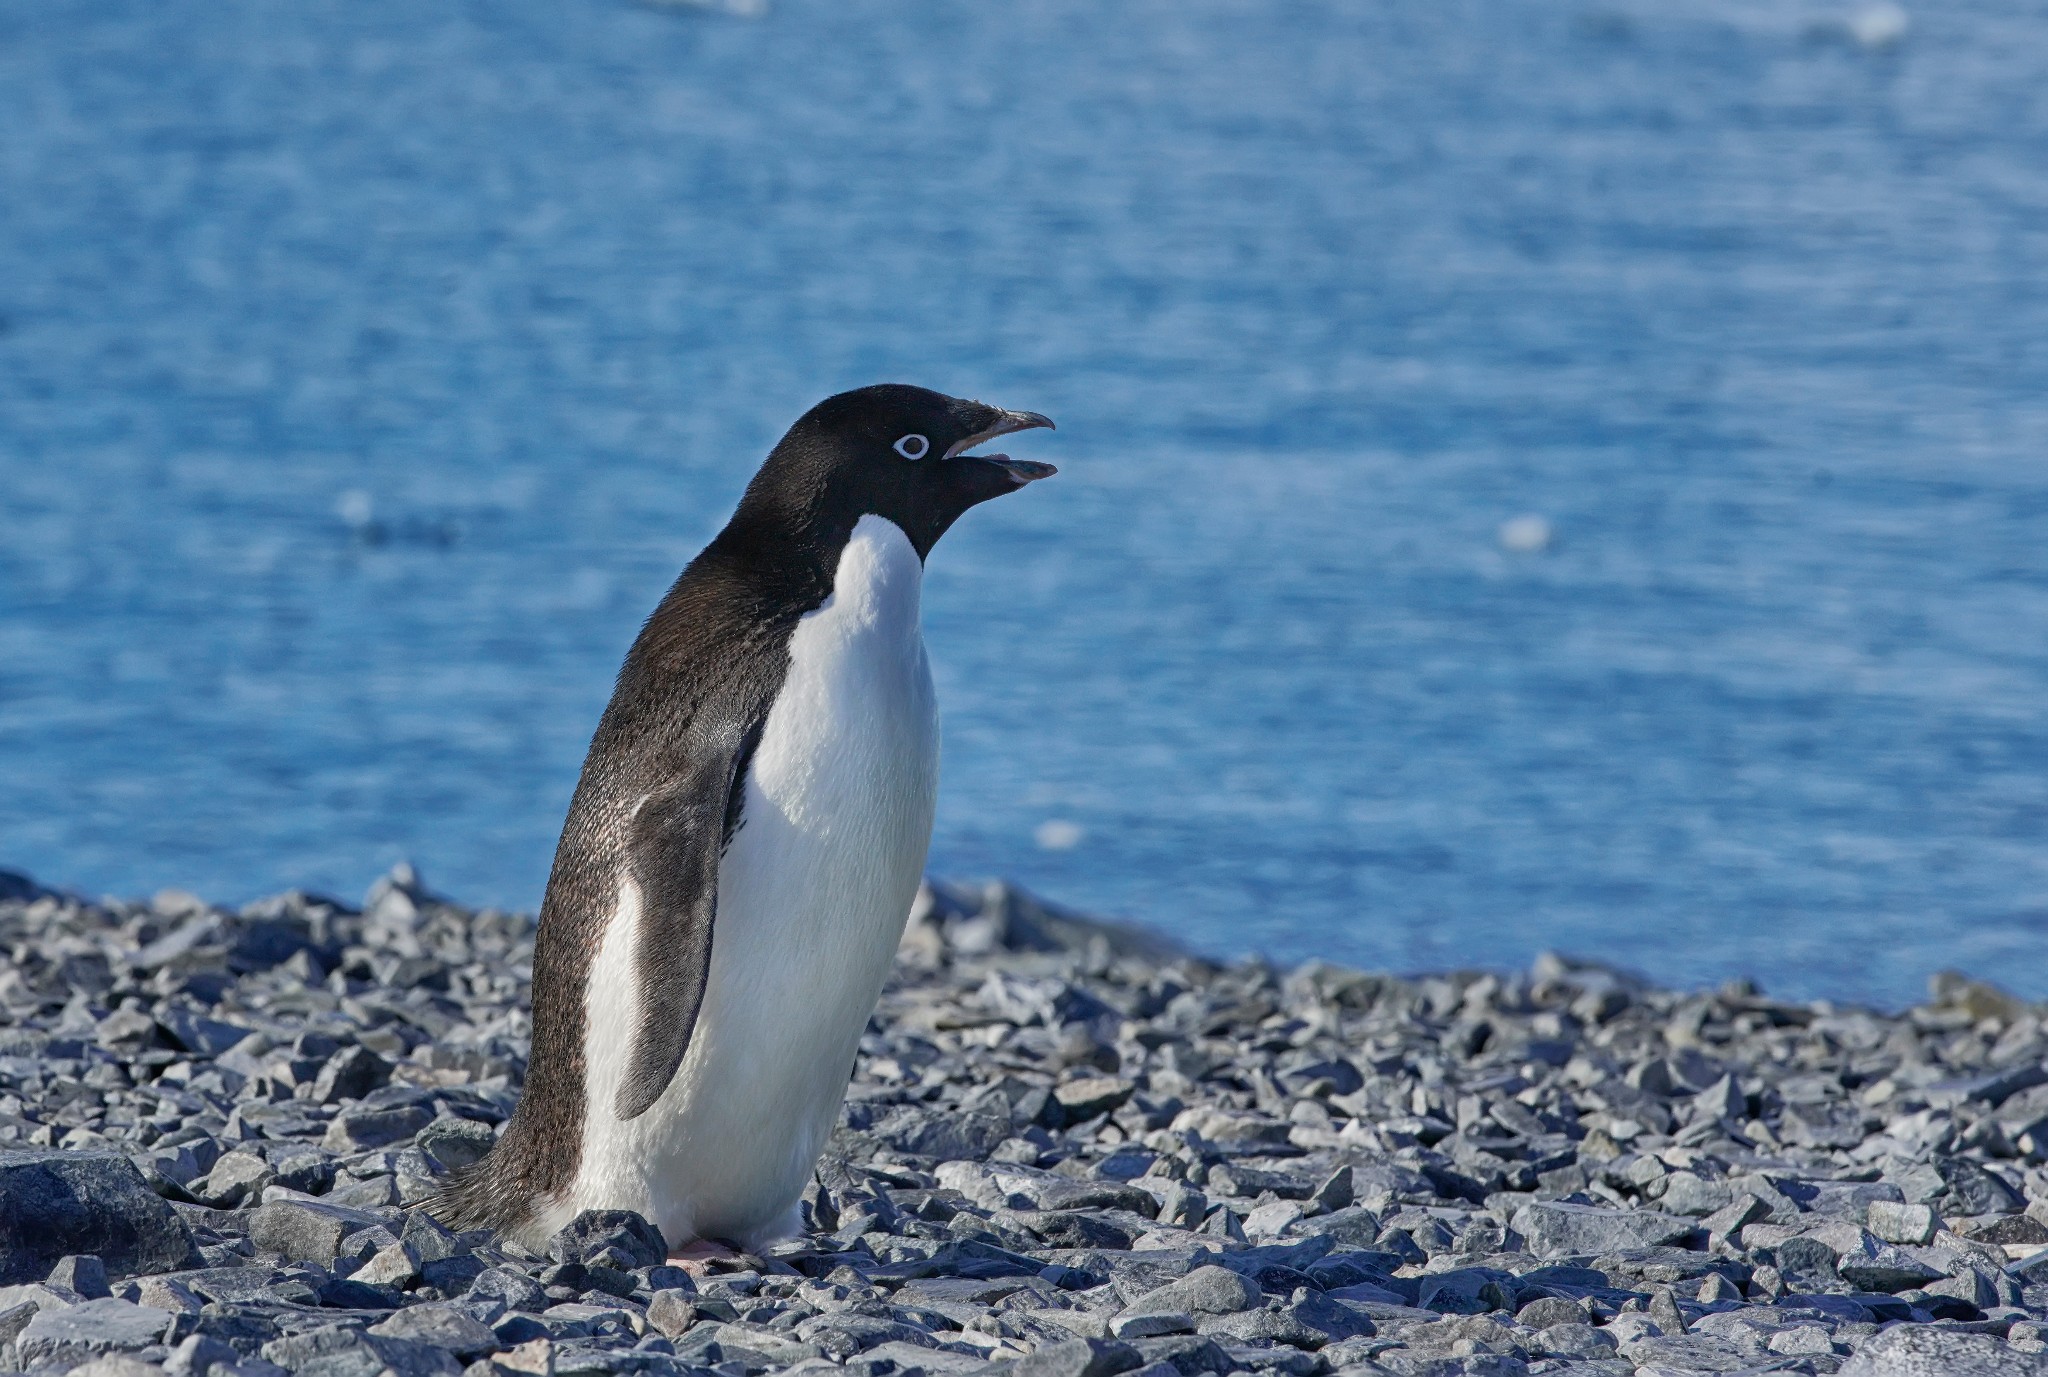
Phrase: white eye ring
pixel 913 447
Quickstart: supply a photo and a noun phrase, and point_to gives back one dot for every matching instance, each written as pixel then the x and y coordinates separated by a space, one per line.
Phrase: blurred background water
pixel 367 370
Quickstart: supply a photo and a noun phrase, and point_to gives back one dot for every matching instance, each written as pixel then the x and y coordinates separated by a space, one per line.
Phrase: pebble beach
pixel 1070 1149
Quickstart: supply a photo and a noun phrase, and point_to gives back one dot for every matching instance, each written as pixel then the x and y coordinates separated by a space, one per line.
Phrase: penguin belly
pixel 813 892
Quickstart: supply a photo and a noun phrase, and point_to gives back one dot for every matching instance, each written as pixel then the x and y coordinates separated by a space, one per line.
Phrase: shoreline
pixel 1068 1147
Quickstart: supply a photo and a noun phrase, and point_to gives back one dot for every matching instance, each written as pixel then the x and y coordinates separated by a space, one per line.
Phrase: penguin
pixel 745 842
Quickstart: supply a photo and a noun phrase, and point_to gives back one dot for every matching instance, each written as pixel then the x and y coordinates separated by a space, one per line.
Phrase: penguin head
pixel 892 451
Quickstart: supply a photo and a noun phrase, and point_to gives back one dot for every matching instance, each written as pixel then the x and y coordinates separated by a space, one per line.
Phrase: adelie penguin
pixel 745 843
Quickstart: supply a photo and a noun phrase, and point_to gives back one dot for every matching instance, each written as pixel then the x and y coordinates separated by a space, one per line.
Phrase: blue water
pixel 367 370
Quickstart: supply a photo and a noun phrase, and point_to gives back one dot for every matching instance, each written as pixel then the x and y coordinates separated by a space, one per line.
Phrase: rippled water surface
pixel 368 369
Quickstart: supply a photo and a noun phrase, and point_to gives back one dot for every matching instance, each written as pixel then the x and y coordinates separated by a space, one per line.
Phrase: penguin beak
pixel 1020 471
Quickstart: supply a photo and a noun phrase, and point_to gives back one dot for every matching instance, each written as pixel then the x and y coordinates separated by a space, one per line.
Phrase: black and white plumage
pixel 745 842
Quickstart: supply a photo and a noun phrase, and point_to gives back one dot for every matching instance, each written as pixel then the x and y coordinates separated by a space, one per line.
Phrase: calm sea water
pixel 368 369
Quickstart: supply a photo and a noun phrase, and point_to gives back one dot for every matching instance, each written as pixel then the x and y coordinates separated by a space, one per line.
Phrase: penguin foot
pixel 704 1256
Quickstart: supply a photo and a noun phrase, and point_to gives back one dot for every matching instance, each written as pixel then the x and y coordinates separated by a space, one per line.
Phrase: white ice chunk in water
pixel 1879 26
pixel 1527 534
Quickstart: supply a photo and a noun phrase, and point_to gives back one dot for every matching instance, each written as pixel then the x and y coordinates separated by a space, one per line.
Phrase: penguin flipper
pixel 673 849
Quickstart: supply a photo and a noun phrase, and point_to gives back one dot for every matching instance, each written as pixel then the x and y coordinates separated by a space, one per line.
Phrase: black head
pixel 892 451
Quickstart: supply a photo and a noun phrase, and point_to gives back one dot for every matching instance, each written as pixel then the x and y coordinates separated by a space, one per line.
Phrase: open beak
pixel 1021 471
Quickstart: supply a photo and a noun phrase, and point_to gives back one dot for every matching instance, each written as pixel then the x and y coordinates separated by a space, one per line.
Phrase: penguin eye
pixel 913 446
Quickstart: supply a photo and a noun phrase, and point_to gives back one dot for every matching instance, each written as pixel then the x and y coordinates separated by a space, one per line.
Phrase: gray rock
pixel 1916 1351
pixel 963 1136
pixel 452 1142
pixel 1556 1229
pixel 1575 1339
pixel 513 1290
pixel 1546 1311
pixel 116 1365
pixel 236 1178
pixel 16 1311
pixel 304 1231
pixel 1079 1358
pixel 843 1334
pixel 1888 1270
pixel 77 1332
pixel 343 1350
pixel 1974 1189
pixel 673 1312
pixel 198 1355
pixel 1466 1291
pixel 357 1130
pixel 1898 1222
pixel 166 1293
pixel 393 1265
pixel 194 1032
pixel 350 1074
pixel 429 1240
pixel 306 1169
pixel 82 1273
pixel 1146 1324
pixel 1207 1290
pixel 1264 1327
pixel 1687 1194
pixel 1088 1096
pixel 53 1204
pixel 609 1238
pixel 442 1326
pixel 1188 1354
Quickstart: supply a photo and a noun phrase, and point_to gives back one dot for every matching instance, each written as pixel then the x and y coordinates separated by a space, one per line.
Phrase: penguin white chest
pixel 813 891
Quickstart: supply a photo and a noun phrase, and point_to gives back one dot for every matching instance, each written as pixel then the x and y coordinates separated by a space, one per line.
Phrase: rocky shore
pixel 1070 1150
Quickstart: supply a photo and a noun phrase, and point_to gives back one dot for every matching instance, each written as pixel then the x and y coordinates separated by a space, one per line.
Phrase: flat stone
pixel 842 1335
pixel 1576 1340
pixel 912 1357
pixel 345 1351
pixel 1909 1350
pixel 1556 1229
pixel 358 1130
pixel 1546 1311
pixel 304 1231
pixel 1206 1290
pixel 442 1326
pixel 1265 1327
pixel 452 1142
pixel 1145 1324
pixel 53 1204
pixel 169 1294
pixel 1330 1317
pixel 1079 1358
pixel 1187 1354
pixel 958 1136
pixel 1090 1095
pixel 199 1353
pixel 1888 1270
pixel 514 1290
pixel 90 1328
pixel 194 1032
pixel 1687 1194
